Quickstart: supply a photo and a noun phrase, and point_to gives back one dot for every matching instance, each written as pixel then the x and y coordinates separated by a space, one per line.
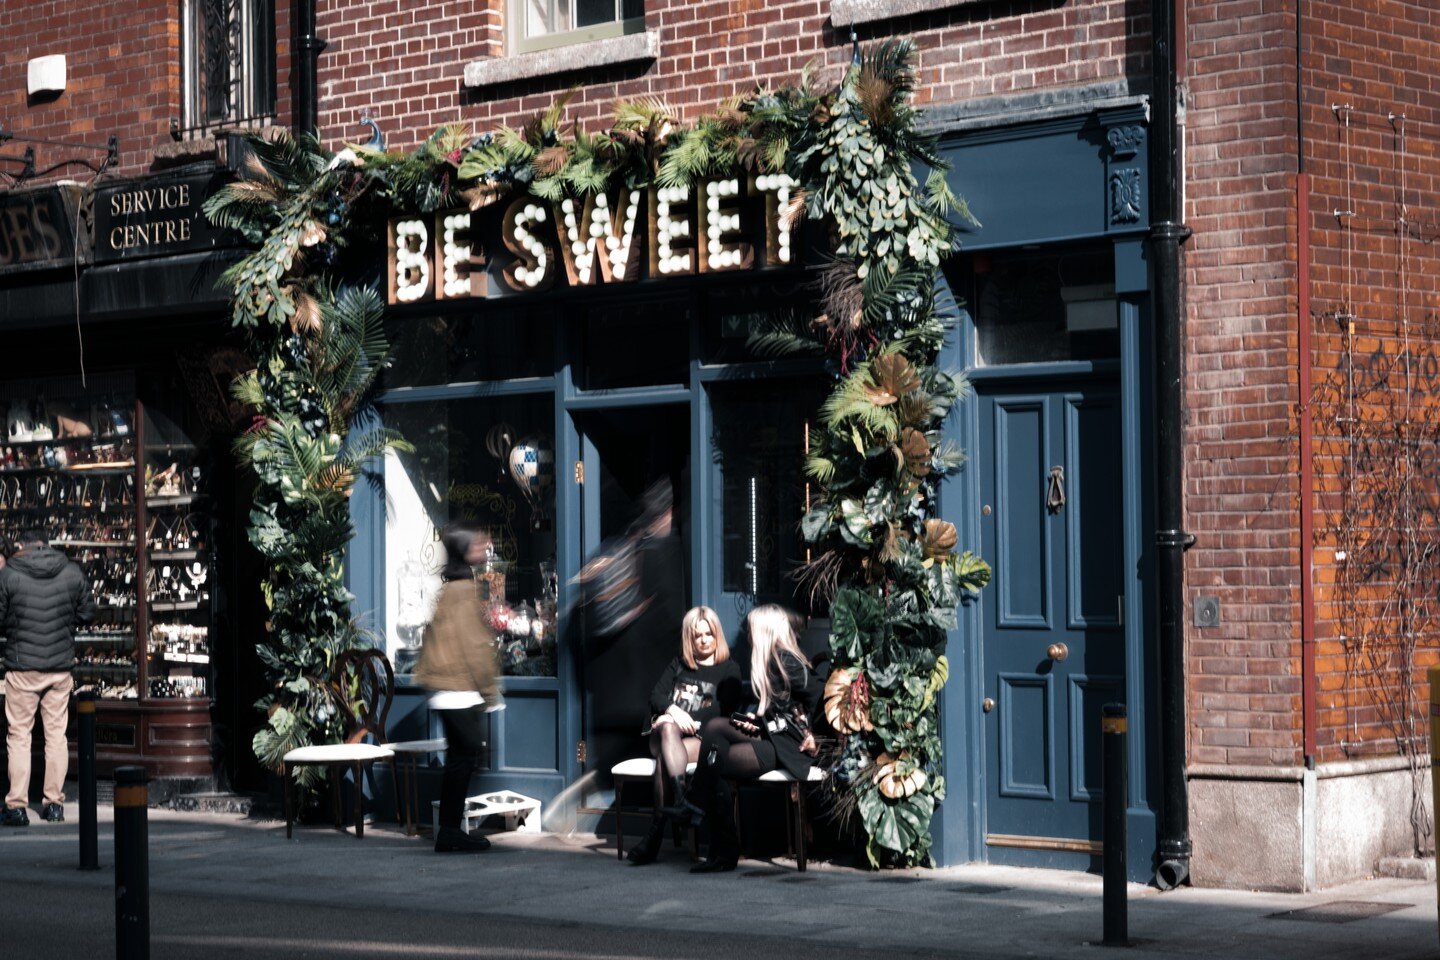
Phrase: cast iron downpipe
pixel 305 109
pixel 1167 233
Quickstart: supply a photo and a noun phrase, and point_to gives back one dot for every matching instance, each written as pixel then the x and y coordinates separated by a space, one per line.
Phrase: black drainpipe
pixel 1167 233
pixel 305 110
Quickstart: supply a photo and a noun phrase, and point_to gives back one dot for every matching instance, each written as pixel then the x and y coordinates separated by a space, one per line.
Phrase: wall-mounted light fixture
pixel 46 75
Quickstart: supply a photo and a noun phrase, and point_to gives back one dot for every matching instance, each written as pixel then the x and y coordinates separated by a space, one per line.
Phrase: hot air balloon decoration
pixel 532 467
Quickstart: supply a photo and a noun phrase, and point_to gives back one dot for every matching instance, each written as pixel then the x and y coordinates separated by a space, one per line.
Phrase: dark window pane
pixel 489 461
pixel 491 345
pixel 1032 307
pixel 759 440
pixel 752 323
pixel 638 344
pixel 590 12
pixel 632 9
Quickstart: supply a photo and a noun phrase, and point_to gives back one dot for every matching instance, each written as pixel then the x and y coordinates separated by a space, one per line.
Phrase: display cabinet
pixel 121 492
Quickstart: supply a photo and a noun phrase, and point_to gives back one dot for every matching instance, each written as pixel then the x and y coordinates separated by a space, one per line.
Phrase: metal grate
pixel 1341 911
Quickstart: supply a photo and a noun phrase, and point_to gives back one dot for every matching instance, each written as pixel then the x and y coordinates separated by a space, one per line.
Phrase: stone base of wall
pixel 1292 829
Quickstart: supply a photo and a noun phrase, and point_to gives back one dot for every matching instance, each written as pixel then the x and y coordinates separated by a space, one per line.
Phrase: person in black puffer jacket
pixel 43 597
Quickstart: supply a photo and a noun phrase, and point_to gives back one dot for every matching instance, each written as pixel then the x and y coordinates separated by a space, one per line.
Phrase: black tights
pixel 728 753
pixel 675 751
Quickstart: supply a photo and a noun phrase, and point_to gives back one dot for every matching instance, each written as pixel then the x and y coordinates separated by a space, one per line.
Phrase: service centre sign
pixel 606 238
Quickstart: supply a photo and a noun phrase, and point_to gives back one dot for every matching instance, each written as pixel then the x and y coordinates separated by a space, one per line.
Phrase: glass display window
pixel 487 461
pixel 178 562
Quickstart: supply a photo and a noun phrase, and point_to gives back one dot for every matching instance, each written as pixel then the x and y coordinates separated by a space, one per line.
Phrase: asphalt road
pixel 42 921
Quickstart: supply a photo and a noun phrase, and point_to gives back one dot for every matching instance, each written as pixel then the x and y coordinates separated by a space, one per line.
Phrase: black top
pixel 43 597
pixel 704 692
pixel 787 720
pixel 619 667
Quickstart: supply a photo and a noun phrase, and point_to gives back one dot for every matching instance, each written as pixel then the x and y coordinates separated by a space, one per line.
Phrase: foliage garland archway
pixel 886 563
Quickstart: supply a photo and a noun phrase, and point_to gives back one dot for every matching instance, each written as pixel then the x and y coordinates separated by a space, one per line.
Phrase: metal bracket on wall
pixel 111 149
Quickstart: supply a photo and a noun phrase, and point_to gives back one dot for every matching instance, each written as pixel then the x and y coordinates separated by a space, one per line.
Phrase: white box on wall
pixel 46 75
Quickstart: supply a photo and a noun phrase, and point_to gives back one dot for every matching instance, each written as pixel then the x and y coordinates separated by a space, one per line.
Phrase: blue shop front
pixel 544 392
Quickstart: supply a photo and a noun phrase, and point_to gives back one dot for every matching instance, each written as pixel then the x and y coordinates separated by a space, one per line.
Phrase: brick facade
pixel 123 78
pixel 1243 399
pixel 403 64
pixel 411 60
pixel 1240 386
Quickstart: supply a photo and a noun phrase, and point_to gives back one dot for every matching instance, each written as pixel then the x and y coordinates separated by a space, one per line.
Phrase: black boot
pixel 688 808
pixel 649 847
pixel 455 840
pixel 724 838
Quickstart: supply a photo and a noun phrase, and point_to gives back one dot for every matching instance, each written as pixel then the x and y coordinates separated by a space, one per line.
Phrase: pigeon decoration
pixel 377 139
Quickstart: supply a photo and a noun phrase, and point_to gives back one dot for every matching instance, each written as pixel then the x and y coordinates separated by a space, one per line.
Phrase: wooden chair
pixel 797 817
pixel 376 680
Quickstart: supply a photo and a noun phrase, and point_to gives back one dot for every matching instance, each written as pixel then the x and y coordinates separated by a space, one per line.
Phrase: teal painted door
pixel 1053 644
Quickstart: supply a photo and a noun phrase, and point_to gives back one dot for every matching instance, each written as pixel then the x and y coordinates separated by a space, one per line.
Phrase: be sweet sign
pixel 616 237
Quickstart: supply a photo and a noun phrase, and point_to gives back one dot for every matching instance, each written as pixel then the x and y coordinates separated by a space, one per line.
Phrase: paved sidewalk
pixel 575 881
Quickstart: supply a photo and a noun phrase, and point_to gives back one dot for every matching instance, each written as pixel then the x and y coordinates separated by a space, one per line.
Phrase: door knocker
pixel 1055 493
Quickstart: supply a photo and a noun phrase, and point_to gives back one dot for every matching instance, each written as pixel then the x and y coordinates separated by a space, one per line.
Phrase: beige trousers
pixel 25 690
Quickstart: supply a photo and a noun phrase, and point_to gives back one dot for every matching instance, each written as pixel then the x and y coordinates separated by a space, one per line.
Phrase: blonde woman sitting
pixel 746 746
pixel 698 686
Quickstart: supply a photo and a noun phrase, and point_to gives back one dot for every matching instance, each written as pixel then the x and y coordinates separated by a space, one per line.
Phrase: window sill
pixel 631 48
pixel 847 13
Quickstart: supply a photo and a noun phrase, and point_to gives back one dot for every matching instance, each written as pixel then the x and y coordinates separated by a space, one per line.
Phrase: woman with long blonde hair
pixel 698 686
pixel 775 736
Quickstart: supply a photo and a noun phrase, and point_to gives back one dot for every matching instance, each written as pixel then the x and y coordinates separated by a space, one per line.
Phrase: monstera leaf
pixel 858 616
pixel 891 377
pixel 915 451
pixel 938 540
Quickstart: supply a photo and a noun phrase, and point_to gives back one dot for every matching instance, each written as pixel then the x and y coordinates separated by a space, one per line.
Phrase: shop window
pixel 642 344
pixel 497 344
pixel 490 462
pixel 760 438
pixel 769 322
pixel 1045 306
pixel 227 64
pixel 543 24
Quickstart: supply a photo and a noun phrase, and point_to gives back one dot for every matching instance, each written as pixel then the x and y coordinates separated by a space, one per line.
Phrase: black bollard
pixel 132 865
pixel 89 833
pixel 1113 725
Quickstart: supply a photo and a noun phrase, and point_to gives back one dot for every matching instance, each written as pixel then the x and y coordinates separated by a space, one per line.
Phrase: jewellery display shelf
pixel 87 487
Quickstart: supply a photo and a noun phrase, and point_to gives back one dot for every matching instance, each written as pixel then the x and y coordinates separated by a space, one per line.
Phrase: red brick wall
pixel 123 77
pixel 1242 375
pixel 1375 602
pixel 1241 491
pixel 123 71
pixel 405 63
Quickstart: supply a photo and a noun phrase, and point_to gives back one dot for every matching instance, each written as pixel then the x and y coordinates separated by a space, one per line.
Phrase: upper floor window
pixel 227 63
pixel 542 24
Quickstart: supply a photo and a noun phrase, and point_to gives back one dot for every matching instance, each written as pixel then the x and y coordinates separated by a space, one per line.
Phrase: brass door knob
pixel 987 704
pixel 1057 651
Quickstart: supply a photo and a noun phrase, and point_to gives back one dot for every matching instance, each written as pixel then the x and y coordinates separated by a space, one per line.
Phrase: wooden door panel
pixel 1026 722
pixel 1022 535
pixel 1093 511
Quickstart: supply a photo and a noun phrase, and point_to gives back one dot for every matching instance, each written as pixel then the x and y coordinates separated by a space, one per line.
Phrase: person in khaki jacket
pixel 458 664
